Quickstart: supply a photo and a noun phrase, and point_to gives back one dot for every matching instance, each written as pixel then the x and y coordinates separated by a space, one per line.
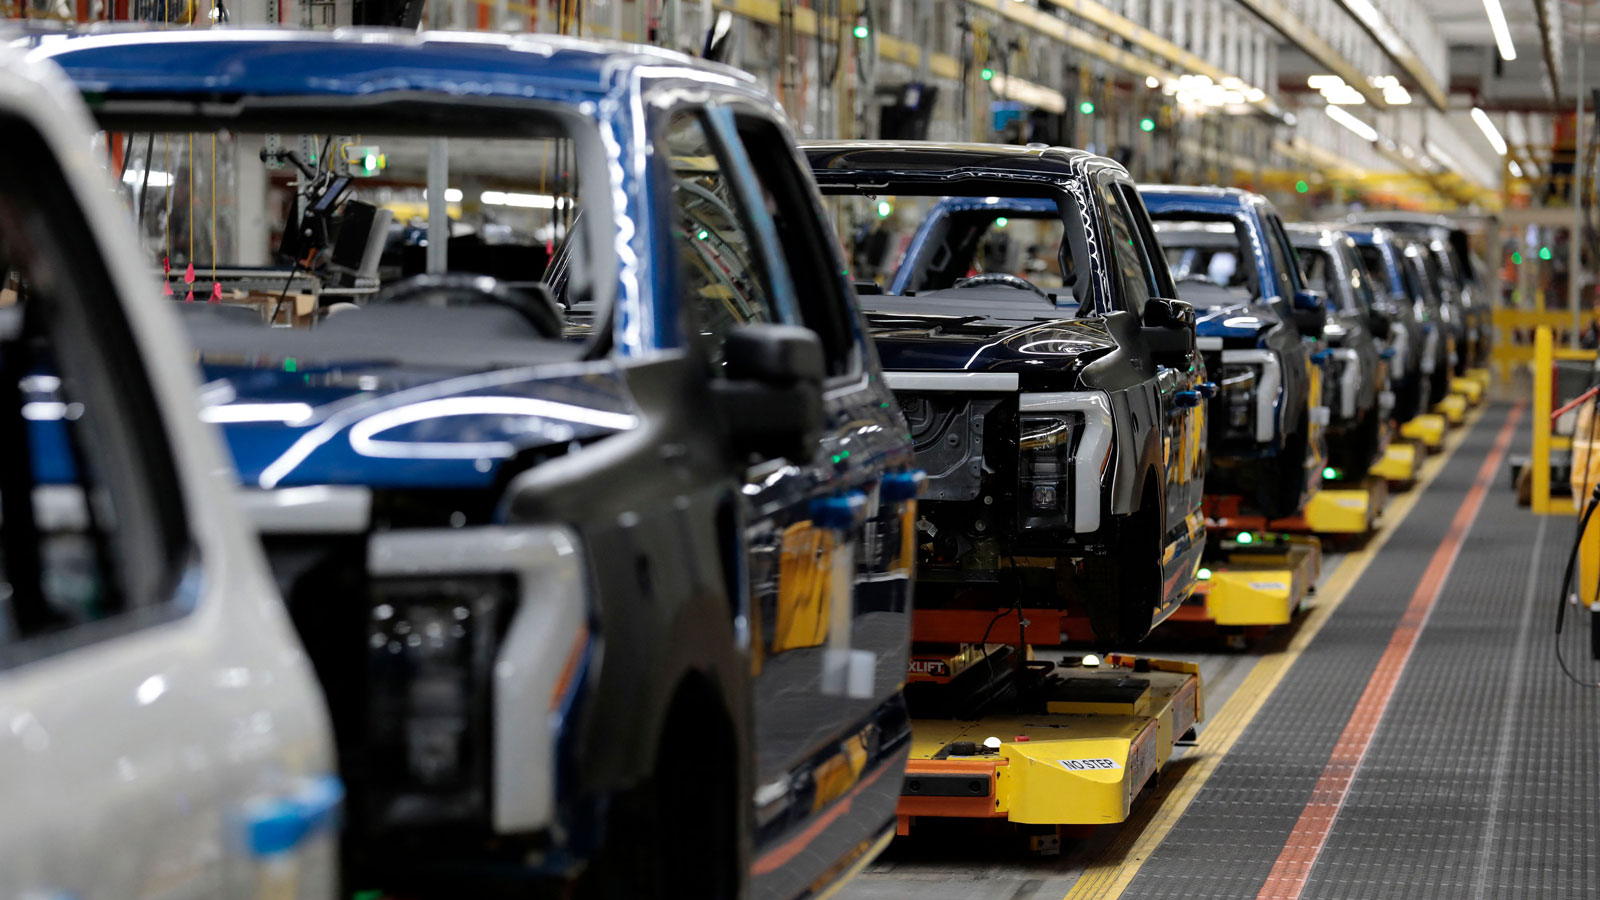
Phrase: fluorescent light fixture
pixel 1489 131
pixel 1516 170
pixel 1532 169
pixel 1320 82
pixel 1502 34
pixel 1361 129
pixel 451 195
pixel 1344 95
pixel 136 178
pixel 1152 82
pixel 521 201
pixel 1431 147
pixel 233 413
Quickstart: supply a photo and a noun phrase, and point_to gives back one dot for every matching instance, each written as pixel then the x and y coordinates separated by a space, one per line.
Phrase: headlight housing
pixel 1044 444
pixel 431 645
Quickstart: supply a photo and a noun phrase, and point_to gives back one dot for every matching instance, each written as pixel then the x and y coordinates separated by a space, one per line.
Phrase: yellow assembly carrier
pixel 1054 745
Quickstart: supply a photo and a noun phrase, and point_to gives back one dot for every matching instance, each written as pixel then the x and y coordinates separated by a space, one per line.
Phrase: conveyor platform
pixel 1075 752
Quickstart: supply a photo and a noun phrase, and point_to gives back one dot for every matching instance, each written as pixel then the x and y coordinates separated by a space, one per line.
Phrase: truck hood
pixel 387 426
pixel 968 344
pixel 1249 321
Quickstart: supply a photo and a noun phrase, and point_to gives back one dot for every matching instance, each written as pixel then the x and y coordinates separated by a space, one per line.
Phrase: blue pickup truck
pixel 1258 327
pixel 591 506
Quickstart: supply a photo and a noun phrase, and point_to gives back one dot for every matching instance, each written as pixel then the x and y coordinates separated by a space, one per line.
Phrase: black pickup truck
pixel 1052 385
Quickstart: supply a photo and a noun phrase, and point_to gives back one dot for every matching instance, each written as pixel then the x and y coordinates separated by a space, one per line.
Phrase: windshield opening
pixel 292 217
pixel 1011 259
pixel 1208 253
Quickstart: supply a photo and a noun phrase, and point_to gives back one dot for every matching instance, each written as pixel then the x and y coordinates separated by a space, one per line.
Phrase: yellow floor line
pixel 1109 874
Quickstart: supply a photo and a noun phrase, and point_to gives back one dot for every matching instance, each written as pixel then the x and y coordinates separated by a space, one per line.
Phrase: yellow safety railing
pixel 1544 357
pixel 1513 327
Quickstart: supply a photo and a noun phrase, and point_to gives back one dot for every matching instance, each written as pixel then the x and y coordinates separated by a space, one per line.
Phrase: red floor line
pixel 1289 873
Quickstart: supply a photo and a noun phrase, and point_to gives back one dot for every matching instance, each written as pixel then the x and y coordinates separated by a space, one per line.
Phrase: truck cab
pixel 573 463
pixel 1260 329
pixel 1048 374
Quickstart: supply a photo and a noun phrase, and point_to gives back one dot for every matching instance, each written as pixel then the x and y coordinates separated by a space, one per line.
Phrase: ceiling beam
pixel 1396 48
pixel 1289 25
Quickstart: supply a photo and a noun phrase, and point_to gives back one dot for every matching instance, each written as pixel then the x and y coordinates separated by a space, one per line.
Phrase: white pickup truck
pixel 161 731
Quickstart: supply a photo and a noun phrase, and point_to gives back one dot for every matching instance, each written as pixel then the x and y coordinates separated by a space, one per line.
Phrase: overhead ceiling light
pixel 1361 129
pixel 1152 82
pixel 1532 169
pixel 1320 82
pixel 1516 170
pixel 1489 131
pixel 1344 95
pixel 1502 34
pixel 1395 95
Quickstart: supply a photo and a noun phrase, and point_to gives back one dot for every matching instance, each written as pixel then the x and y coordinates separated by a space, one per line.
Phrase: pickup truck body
pixel 1466 302
pixel 624 606
pixel 1397 265
pixel 1265 439
pixel 1062 431
pixel 1357 382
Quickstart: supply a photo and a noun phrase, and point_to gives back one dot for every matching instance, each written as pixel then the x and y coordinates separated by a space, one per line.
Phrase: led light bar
pixel 1486 125
pixel 1361 129
pixel 1502 34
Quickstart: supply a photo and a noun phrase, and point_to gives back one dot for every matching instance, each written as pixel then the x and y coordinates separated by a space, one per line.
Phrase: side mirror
pixel 1379 322
pixel 1169 331
pixel 770 398
pixel 1310 313
pixel 1159 313
pixel 1306 300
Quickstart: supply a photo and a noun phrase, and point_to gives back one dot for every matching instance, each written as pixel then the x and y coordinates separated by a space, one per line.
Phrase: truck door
pixel 829 573
pixel 159 709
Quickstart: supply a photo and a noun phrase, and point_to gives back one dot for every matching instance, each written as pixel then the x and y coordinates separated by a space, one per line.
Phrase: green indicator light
pixel 703 234
pixel 291 365
pixel 1300 187
pixel 371 161
pixel 1147 124
pixel 884 209
pixel 987 74
pixel 1246 537
pixel 1086 108
pixel 1544 253
pixel 1516 258
pixel 862 32
pixel 1002 222
pixel 1204 574
pixel 1330 474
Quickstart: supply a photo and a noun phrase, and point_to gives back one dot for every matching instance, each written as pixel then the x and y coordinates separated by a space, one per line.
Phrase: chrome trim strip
pixel 1349 381
pixel 952 381
pixel 1098 427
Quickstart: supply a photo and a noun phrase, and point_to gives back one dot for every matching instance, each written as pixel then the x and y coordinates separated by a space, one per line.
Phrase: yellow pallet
pixel 1053 769
pixel 1400 463
pixel 1453 407
pixel 1259 588
pixel 1469 389
pixel 1346 510
pixel 1427 428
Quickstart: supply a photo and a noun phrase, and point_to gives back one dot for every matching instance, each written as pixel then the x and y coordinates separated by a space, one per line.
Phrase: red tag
pixel 188 274
pixel 189 297
pixel 166 288
pixel 216 292
pixel 166 264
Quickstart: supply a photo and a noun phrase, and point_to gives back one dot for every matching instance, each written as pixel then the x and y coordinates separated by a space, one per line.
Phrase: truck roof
pixel 355 62
pixel 931 158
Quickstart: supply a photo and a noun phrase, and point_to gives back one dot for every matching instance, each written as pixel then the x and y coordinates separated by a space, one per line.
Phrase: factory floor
pixel 1409 735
